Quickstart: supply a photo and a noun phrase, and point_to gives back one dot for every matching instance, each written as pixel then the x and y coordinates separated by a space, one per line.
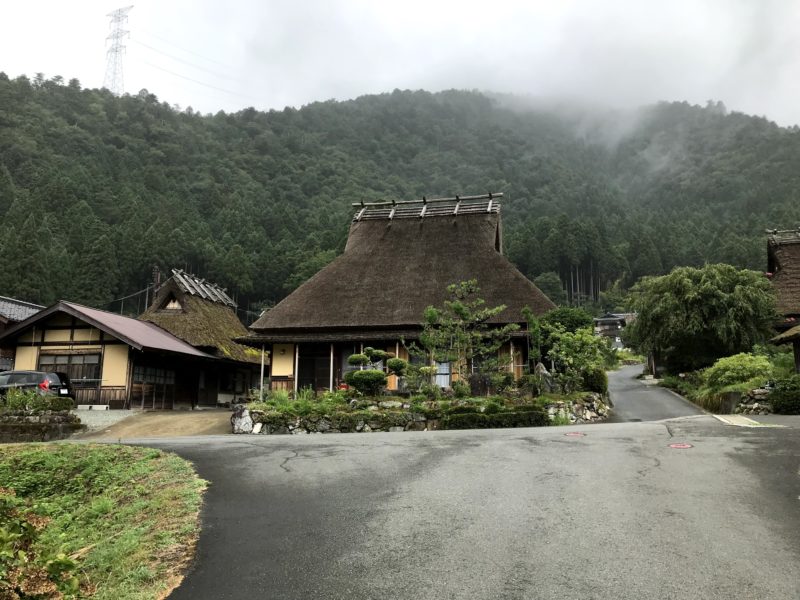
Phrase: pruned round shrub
pixel 738 368
pixel 595 380
pixel 785 398
pixel 492 408
pixel 369 382
pixel 358 360
pixel 398 366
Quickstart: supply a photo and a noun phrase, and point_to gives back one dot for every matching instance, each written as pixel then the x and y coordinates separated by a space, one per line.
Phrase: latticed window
pixel 82 369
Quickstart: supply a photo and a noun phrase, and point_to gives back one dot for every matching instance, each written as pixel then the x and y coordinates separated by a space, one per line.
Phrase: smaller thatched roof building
pixel 792 336
pixel 202 314
pixel 783 251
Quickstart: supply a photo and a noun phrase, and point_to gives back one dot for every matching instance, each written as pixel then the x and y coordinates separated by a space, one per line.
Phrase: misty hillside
pixel 95 189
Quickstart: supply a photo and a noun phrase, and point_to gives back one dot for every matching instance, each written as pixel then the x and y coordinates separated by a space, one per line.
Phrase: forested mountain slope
pixel 95 189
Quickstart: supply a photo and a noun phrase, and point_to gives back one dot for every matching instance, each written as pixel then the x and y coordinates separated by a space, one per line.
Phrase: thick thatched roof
pixel 393 267
pixel 204 323
pixel 791 335
pixel 783 248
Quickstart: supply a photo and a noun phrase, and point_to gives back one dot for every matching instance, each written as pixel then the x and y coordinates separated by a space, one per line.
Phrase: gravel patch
pixel 100 419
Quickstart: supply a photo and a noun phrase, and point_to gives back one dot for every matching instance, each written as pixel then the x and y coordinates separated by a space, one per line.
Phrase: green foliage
pixel 595 380
pixel 31 401
pixel 461 389
pixel 550 284
pixel 397 366
pixel 358 360
pixel 693 316
pixel 29 569
pixel 534 417
pixel 369 382
pixel 460 333
pixel 738 368
pixel 567 318
pixel 576 356
pixel 95 517
pixel 785 398
pixel 260 201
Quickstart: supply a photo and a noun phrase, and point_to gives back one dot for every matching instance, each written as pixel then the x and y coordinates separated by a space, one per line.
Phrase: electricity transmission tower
pixel 113 78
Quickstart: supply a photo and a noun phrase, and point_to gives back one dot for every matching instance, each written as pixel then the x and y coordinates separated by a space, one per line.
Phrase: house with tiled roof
pixel 13 311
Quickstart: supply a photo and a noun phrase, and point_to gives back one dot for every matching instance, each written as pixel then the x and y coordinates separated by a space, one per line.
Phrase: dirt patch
pixel 166 424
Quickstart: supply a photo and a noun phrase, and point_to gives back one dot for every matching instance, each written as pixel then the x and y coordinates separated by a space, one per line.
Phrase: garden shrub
pixel 785 398
pixel 358 360
pixel 31 401
pixel 369 382
pixel 492 408
pixel 595 380
pixel 398 366
pixel 463 409
pixel 530 384
pixel 530 418
pixel 461 389
pixel 738 368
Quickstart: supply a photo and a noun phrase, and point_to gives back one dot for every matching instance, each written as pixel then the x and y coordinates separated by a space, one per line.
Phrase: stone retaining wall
pixel 41 427
pixel 393 416
pixel 754 402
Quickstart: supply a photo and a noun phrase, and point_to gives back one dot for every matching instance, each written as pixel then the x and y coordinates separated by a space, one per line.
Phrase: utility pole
pixel 113 79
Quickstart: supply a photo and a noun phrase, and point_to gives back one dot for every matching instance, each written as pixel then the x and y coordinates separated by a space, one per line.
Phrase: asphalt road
pixel 635 401
pixel 501 514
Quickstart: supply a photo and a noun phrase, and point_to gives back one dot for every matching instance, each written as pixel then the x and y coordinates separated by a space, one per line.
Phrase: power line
pixel 186 62
pixel 208 85
pixel 170 43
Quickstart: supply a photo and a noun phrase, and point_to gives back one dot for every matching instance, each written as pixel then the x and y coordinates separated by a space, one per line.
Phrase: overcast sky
pixel 214 54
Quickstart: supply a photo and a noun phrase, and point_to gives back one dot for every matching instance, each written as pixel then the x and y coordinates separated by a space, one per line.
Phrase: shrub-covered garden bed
pixel 26 416
pixel 337 413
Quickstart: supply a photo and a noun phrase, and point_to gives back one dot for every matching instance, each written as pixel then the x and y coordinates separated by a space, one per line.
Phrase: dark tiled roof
pixel 196 286
pixel 17 310
pixel 392 269
pixel 784 263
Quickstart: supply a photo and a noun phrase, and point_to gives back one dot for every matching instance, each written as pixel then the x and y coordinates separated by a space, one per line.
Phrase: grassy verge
pixel 127 516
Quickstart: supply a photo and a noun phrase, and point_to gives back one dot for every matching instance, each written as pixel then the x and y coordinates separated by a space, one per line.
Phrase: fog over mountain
pixel 618 53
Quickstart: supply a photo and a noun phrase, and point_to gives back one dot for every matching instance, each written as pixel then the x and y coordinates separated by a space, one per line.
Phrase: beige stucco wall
pixel 115 365
pixel 28 336
pixel 56 335
pixel 87 335
pixel 27 358
pixel 282 364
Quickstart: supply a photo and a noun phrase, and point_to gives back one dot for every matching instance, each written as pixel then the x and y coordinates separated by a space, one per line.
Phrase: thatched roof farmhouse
pixel 399 259
pixel 783 252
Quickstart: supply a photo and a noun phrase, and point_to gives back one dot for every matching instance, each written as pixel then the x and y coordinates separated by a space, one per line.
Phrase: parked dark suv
pixel 44 382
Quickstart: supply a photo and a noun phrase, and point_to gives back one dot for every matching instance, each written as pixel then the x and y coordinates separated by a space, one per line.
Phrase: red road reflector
pixel 575 434
pixel 681 446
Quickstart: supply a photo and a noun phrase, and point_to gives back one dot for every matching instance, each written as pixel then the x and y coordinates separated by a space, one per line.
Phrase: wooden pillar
pixel 261 383
pixel 796 345
pixel 296 365
pixel 511 352
pixel 330 387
